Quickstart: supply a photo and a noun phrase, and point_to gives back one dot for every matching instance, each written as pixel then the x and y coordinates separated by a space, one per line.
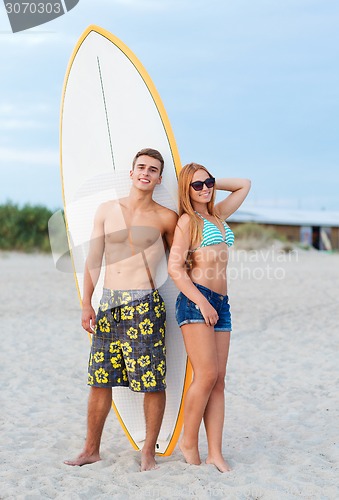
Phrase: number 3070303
pixel 33 8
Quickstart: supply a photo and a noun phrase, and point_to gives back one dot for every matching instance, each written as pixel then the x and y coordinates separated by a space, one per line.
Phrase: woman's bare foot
pixel 220 463
pixel 148 461
pixel 84 459
pixel 191 455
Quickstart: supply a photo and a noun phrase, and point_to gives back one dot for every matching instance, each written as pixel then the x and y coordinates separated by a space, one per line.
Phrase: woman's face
pixel 205 195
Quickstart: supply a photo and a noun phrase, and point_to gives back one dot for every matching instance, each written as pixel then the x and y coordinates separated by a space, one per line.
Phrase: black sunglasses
pixel 198 185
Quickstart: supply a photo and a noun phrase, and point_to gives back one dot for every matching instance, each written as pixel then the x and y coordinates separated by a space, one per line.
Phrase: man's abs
pixel 132 265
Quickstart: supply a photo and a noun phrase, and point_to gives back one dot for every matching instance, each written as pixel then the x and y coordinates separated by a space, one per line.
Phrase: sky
pixel 251 89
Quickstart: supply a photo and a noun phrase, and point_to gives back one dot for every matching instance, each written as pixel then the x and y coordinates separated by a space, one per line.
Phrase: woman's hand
pixel 209 313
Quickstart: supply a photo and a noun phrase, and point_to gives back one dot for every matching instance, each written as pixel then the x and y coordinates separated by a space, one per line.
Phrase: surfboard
pixel 110 109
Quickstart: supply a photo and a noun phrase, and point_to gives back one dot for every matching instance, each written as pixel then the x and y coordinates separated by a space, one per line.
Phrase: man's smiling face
pixel 146 173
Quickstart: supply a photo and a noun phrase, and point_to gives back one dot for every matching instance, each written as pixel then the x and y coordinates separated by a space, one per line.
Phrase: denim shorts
pixel 188 312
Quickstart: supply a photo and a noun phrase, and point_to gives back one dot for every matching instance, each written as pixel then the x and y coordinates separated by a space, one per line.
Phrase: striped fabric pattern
pixel 211 234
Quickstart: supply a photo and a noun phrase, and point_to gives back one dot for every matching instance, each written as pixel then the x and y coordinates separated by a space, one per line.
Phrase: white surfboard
pixel 110 110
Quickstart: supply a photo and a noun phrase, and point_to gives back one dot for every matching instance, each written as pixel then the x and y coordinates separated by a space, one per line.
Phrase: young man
pixel 128 331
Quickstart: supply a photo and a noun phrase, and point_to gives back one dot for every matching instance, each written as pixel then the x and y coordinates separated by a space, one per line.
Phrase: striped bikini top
pixel 211 234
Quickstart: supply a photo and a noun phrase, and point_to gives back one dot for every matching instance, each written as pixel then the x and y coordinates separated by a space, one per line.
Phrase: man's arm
pixel 171 222
pixel 92 270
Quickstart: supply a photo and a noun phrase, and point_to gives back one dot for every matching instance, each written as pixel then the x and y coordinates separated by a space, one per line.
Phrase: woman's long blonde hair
pixel 185 204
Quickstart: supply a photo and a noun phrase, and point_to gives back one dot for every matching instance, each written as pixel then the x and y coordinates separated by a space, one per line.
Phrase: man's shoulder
pixel 109 204
pixel 166 212
pixel 162 209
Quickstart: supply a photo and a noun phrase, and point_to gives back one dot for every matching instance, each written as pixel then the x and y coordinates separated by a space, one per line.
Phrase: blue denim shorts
pixel 187 312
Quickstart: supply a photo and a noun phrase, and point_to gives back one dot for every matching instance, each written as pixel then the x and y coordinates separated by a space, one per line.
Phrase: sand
pixel 281 428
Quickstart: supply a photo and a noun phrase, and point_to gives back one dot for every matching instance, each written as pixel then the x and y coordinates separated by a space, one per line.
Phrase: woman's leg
pixel 202 352
pixel 215 410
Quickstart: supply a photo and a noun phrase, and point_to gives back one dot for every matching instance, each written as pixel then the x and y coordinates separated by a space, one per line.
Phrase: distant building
pixel 318 229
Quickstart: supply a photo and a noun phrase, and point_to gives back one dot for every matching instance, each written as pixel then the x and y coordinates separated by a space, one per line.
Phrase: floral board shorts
pixel 128 344
pixel 188 312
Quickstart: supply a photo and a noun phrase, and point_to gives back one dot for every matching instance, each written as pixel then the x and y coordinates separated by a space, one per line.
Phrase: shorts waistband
pixel 116 298
pixel 210 293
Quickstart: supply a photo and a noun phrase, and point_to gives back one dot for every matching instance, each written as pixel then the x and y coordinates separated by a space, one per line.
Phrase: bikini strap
pixel 201 217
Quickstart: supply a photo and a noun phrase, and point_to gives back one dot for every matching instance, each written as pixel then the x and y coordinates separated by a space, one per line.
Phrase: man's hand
pixel 88 318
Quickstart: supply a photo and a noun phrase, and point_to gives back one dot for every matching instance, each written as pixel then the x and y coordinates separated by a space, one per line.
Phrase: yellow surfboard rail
pixel 176 160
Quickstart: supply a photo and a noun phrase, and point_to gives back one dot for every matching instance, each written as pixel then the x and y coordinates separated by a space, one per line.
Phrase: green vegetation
pixel 253 230
pixel 24 229
pixel 252 236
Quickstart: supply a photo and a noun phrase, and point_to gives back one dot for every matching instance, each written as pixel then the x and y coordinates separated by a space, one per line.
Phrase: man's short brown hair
pixel 153 153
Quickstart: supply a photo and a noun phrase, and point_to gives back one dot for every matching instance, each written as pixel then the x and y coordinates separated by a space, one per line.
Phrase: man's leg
pixel 154 407
pixel 99 405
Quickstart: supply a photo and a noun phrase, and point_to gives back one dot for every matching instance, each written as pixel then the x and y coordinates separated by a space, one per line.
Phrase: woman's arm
pixel 177 270
pixel 239 189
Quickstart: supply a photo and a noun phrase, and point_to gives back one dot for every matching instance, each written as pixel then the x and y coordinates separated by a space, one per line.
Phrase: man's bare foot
pixel 191 455
pixel 148 461
pixel 84 459
pixel 219 463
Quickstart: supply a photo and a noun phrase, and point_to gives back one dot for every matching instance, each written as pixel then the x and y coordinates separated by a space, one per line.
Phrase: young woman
pixel 197 264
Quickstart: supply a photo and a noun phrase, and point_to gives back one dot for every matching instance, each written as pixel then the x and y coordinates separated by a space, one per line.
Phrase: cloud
pixel 19 116
pixel 41 157
pixel 154 5
pixel 24 124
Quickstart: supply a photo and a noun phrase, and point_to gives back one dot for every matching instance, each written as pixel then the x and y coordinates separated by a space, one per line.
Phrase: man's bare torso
pixel 134 245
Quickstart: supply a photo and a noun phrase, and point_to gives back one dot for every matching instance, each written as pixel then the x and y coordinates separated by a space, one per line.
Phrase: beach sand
pixel 281 427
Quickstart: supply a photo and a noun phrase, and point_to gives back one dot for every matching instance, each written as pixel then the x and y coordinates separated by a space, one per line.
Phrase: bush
pixel 251 236
pixel 24 229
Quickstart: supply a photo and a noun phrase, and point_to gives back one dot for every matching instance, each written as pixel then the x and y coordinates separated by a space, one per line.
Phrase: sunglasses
pixel 199 185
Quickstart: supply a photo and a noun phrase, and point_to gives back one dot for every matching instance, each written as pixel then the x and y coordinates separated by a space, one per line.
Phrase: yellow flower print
pixel 144 360
pixel 90 380
pixel 157 344
pixel 130 364
pixel 132 333
pixel 126 298
pixel 162 331
pixel 98 357
pixel 124 375
pixel 149 379
pixel 104 306
pixel 135 385
pixel 90 360
pixel 142 308
pixel 161 368
pixel 116 361
pixel 127 312
pixel 146 327
pixel 160 309
pixel 126 348
pixel 156 297
pixel 101 376
pixel 114 347
pixel 104 325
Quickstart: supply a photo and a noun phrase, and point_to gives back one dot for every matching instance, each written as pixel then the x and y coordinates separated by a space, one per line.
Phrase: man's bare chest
pixel 134 238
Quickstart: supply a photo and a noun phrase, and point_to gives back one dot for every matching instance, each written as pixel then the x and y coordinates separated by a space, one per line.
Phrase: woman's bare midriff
pixel 209 265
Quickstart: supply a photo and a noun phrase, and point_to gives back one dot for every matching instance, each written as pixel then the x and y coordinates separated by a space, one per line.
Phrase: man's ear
pixel 160 179
pixel 131 174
